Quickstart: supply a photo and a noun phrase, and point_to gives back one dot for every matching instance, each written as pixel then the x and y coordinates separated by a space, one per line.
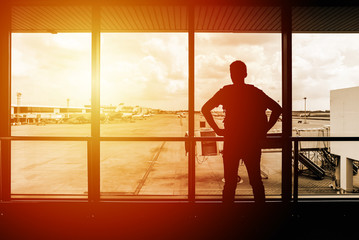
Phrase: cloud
pixel 151 69
pixel 47 69
pixel 323 62
pixel 215 52
pixel 232 40
pixel 153 73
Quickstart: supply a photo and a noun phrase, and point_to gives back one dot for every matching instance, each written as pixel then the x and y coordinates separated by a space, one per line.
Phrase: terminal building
pixel 343 123
pixel 34 114
pixel 288 214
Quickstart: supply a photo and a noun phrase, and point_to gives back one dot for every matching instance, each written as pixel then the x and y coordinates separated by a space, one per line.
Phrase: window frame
pixel 289 191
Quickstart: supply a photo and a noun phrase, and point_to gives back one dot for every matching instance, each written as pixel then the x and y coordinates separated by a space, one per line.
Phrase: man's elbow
pixel 276 111
pixel 205 110
pixel 279 110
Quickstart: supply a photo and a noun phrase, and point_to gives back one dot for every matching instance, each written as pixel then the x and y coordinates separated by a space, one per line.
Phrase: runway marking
pixel 144 178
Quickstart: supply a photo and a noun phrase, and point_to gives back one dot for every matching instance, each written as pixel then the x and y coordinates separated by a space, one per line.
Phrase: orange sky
pixel 150 69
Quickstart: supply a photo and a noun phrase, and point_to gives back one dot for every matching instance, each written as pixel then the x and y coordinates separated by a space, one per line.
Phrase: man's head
pixel 238 71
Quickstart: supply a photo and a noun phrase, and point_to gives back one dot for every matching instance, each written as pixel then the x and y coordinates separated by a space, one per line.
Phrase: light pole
pixel 68 105
pixel 305 110
pixel 18 95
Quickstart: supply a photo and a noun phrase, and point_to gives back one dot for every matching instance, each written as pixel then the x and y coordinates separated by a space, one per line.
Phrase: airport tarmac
pixel 135 168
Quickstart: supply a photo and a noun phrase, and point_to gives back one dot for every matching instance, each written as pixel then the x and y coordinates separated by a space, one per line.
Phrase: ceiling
pixel 172 16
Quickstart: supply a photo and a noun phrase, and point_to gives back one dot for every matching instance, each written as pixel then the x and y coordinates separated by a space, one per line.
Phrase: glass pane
pixel 328 168
pixel 210 175
pixel 51 84
pixel 325 97
pixel 144 84
pixel 325 83
pixel 143 168
pixel 216 51
pixel 40 167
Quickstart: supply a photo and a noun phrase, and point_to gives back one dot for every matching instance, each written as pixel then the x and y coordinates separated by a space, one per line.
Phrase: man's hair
pixel 238 67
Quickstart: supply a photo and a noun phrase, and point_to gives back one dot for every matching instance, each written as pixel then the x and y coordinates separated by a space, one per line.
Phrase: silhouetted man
pixel 245 127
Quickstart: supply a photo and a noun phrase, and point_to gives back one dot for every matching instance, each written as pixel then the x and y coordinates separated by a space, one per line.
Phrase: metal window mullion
pixel 89 171
pixel 191 141
pixel 295 180
pixel 5 101
pixel 94 154
pixel 286 16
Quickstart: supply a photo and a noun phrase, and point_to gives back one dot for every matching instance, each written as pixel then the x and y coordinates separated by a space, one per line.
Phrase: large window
pixel 144 82
pixel 214 53
pixel 144 93
pixel 107 104
pixel 50 97
pixel 325 90
pixel 51 84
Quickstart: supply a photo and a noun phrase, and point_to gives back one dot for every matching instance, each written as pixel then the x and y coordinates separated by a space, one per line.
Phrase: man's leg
pixel 252 161
pixel 230 166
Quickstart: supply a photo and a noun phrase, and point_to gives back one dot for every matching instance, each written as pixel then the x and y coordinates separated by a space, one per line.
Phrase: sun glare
pixel 48 68
pixel 146 69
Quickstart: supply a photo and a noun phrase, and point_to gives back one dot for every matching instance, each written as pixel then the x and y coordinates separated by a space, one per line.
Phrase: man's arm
pixel 206 111
pixel 276 112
